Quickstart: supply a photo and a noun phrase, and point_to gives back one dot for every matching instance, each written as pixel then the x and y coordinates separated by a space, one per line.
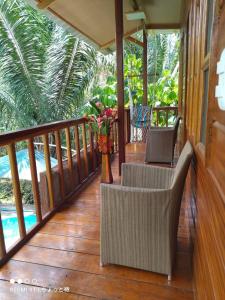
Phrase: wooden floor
pixel 65 255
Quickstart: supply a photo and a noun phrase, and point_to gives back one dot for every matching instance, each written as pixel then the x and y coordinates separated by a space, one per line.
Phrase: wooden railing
pixel 57 184
pixel 163 114
pixel 161 117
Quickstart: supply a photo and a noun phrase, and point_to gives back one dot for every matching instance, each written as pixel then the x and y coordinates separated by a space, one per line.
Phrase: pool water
pixel 11 227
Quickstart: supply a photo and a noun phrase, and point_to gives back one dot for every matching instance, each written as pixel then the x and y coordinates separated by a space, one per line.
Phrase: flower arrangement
pixel 101 122
pixel 103 118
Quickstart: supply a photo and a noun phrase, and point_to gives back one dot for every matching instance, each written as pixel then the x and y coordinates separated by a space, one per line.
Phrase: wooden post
pixel 35 187
pixel 48 171
pixel 16 189
pixel 120 78
pixel 145 68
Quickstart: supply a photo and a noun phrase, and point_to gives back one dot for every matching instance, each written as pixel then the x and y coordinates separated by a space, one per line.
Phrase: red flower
pixel 108 112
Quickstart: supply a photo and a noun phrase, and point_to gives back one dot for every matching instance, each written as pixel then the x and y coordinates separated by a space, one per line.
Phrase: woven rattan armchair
pixel 139 219
pixel 160 143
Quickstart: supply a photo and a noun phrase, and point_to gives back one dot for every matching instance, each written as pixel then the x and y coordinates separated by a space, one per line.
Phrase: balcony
pixel 63 253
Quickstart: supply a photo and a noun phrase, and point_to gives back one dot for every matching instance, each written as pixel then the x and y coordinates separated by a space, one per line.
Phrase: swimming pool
pixel 11 229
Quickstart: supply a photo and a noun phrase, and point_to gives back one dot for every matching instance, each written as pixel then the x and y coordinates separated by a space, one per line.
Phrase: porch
pixel 64 254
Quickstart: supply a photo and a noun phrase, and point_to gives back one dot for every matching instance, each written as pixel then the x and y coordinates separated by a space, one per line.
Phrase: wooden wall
pixel 208 170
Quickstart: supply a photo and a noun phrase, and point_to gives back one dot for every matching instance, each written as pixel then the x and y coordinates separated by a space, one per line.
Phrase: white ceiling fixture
pixel 135 15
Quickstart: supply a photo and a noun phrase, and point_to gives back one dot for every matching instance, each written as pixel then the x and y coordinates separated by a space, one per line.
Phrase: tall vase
pixel 105 149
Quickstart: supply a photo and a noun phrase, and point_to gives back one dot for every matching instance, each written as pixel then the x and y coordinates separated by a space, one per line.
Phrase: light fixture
pixel 135 15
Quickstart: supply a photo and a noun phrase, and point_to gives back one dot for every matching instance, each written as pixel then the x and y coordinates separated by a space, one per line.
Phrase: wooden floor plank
pixel 70 219
pixel 83 231
pixel 99 286
pixel 9 291
pixel 91 264
pixel 65 243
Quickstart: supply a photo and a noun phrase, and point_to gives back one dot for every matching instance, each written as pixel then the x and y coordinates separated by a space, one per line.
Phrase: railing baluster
pixel 157 117
pixel 85 148
pixel 60 163
pixel 116 135
pixel 167 117
pixel 48 170
pixel 16 189
pixel 2 240
pixel 112 138
pixel 92 150
pixel 69 154
pixel 34 181
pixel 77 146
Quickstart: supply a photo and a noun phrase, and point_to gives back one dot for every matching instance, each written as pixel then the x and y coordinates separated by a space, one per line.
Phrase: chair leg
pixel 102 264
pixel 169 277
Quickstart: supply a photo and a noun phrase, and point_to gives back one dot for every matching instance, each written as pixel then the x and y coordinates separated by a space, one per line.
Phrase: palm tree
pixel 44 70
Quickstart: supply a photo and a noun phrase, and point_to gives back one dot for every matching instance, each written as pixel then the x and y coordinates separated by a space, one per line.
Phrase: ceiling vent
pixel 135 15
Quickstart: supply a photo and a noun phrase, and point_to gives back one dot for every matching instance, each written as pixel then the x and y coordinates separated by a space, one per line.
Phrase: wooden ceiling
pixel 95 20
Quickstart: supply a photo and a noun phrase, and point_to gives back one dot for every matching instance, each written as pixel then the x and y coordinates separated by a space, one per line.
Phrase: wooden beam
pixel 163 26
pixel 140 27
pixel 120 78
pixel 125 35
pixel 135 41
pixel 135 5
pixel 145 68
pixel 44 4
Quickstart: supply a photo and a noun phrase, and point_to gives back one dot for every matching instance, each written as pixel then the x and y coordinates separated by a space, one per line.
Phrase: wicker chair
pixel 160 143
pixel 139 219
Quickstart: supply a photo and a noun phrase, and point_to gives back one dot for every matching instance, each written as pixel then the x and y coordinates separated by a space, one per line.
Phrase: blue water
pixel 11 229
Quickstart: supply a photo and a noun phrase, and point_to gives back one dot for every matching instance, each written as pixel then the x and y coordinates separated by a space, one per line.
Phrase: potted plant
pixel 101 122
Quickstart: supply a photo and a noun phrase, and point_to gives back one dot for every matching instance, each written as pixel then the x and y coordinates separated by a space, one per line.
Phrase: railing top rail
pixel 165 108
pixel 161 108
pixel 25 134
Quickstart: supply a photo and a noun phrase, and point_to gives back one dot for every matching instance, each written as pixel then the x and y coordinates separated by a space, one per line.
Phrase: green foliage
pixel 6 196
pixel 107 93
pixel 133 80
pixel 164 92
pixel 163 50
pixel 44 70
pixel 46 73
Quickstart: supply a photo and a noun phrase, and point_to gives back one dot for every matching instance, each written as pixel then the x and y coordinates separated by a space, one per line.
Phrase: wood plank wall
pixel 207 181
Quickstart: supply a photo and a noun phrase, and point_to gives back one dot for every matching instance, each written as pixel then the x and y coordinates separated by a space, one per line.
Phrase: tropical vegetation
pixel 46 73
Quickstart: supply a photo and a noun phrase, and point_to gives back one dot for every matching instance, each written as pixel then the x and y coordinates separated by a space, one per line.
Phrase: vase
pixel 105 148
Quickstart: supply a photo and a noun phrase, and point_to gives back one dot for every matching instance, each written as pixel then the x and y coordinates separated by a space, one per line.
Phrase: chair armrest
pixel 150 177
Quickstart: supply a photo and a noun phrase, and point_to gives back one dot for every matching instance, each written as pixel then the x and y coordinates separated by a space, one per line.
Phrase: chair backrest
pixel 178 182
pixel 182 166
pixel 141 113
pixel 176 126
